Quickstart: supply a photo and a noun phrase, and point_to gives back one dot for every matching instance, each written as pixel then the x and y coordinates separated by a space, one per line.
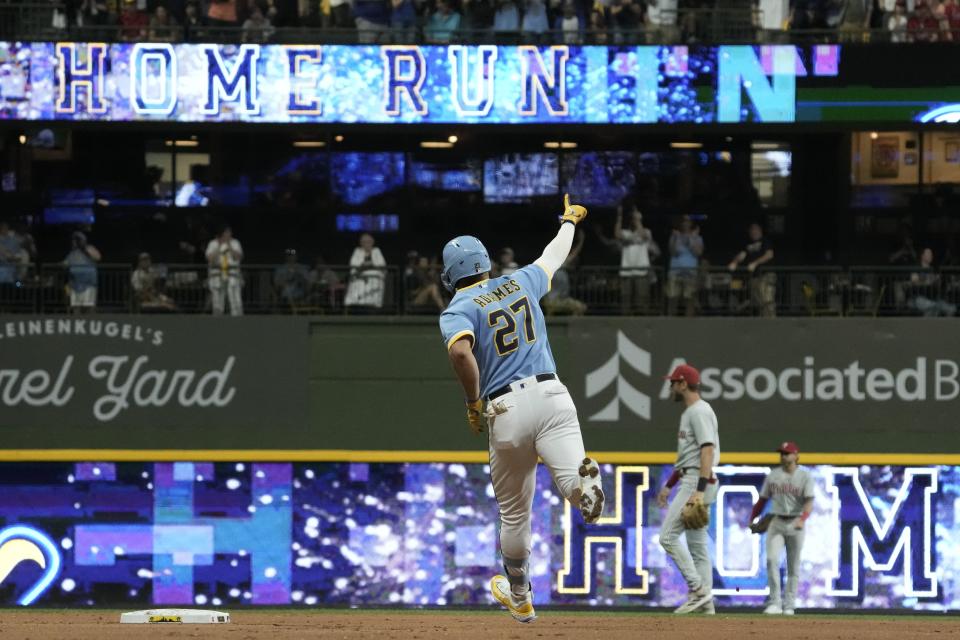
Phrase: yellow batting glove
pixel 572 212
pixel 475 416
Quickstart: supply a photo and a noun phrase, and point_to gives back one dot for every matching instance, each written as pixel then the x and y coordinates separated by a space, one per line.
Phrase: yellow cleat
pixel 521 608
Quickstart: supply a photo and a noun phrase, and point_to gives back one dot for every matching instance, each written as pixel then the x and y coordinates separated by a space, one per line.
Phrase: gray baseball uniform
pixel 698 427
pixel 787 492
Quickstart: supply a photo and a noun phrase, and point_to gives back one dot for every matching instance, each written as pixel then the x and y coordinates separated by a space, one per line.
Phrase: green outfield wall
pixel 153 387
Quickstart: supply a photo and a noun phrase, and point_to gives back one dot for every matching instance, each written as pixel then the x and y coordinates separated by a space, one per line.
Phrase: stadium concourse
pixel 470 625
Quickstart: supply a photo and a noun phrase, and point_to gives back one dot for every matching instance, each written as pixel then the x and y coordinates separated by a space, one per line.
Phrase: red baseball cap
pixel 789 447
pixel 684 372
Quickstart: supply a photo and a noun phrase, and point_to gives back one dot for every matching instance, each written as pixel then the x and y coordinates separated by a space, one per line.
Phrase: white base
pixel 183 616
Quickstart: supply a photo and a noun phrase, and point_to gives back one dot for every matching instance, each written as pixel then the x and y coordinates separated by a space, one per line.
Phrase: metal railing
pixel 183 288
pixel 594 290
pixel 28 21
pixel 775 291
pixel 31 20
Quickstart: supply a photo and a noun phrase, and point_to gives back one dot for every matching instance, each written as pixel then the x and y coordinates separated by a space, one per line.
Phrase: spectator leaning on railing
pixel 163 26
pixel 27 255
pixel 224 277
pixel 763 285
pixel 897 24
pixel 637 250
pixel 774 15
pixel 403 21
pixel 422 283
pixel 507 17
pixel 686 247
pixel 854 19
pixel 662 16
pixel 193 20
pixel 535 23
pixel 324 285
pixel 146 283
pixel 367 277
pixel 443 23
pixel 290 281
pixel 257 27
pixel 12 257
pixel 133 22
pixel 81 265
pixel 568 25
pixel 925 289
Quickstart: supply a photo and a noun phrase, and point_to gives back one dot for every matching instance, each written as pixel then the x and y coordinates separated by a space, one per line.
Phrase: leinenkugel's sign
pixel 156 382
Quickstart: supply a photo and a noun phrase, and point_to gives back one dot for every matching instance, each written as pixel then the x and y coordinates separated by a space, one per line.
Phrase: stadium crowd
pixel 644 275
pixel 535 21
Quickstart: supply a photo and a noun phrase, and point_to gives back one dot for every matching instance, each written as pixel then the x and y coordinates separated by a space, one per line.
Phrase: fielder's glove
pixel 572 212
pixel 694 514
pixel 478 423
pixel 761 525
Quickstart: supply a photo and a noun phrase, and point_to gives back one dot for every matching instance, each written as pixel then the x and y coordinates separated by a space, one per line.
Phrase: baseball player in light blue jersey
pixel 497 342
pixel 790 489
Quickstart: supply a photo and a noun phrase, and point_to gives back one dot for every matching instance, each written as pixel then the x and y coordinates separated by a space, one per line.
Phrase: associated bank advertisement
pixel 831 383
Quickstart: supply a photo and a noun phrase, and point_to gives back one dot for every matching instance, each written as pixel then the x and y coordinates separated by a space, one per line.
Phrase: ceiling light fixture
pixel 309 144
pixel 436 144
pixel 686 145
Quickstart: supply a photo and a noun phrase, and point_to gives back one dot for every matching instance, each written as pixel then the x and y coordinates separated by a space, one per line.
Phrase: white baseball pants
pixel 782 534
pixel 534 419
pixel 221 292
pixel 694 564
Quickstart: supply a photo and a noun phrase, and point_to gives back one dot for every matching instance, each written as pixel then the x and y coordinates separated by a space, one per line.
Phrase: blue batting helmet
pixel 464 256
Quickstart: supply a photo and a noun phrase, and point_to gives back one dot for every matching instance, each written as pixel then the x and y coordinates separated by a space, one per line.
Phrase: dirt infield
pixel 431 625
